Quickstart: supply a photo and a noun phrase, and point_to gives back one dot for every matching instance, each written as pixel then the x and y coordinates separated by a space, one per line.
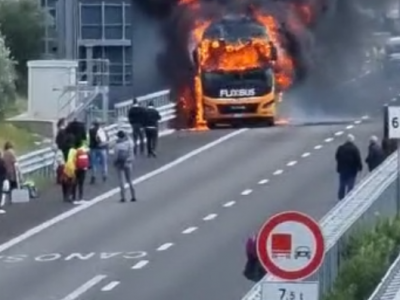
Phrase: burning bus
pixel 236 63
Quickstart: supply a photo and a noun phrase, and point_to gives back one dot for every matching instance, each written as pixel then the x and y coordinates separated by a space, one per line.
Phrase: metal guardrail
pixel 374 197
pixel 41 162
pixel 389 287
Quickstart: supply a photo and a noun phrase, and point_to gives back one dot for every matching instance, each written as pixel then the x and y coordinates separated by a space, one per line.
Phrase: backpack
pixel 122 156
pixel 82 159
pixel 102 136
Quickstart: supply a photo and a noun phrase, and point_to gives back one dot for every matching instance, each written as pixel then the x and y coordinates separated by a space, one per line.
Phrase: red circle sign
pixel 290 246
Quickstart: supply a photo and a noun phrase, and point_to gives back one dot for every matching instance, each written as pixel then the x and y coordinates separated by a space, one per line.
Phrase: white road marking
pixel 394 99
pixel 357 122
pixel 278 172
pixel 165 246
pixel 328 140
pixel 246 192
pixel 189 230
pixel 140 265
pixel 110 286
pixel 210 217
pixel 339 133
pixel 306 154
pixel 365 117
pixel 318 147
pixel 85 287
pixel 37 229
pixel 291 163
pixel 264 181
pixel 229 204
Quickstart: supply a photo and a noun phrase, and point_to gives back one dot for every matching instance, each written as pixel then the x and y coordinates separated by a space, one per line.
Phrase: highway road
pixel 185 238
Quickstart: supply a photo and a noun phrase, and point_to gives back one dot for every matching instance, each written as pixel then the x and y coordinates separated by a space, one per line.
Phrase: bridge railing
pixel 41 162
pixel 374 197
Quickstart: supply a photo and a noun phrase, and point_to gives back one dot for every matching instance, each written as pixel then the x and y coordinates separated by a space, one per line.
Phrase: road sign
pixel 290 245
pixel 393 122
pixel 272 290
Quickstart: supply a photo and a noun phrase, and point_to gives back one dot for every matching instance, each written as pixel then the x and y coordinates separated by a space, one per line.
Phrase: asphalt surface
pixel 208 260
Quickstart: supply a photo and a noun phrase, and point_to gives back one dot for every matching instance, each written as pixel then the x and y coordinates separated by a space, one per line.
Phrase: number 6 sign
pixel 393 122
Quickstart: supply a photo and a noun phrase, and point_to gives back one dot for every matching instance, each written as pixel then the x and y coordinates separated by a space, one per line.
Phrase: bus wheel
pixel 211 125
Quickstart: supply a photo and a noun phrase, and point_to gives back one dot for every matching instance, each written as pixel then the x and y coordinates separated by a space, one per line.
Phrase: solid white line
pixel 277 172
pixel 85 287
pixel 189 230
pixel 328 140
pixel 318 147
pixel 306 154
pixel 210 217
pixel 350 127
pixel 339 133
pixel 140 264
pixel 165 246
pixel 246 192
pixel 37 229
pixel 357 122
pixel 229 204
pixel 291 163
pixel 110 286
pixel 264 181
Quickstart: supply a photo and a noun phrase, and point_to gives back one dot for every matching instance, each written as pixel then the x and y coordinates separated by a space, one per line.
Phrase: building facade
pixel 92 29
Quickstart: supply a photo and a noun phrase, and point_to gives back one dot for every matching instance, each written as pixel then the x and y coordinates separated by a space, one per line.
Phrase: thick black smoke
pixel 327 51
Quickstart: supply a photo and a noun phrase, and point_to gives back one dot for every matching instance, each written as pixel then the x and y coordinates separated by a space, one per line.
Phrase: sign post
pixel 290 246
pixel 392 121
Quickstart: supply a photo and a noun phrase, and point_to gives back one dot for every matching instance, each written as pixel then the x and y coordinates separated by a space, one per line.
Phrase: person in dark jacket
pixel 64 140
pixel 136 115
pixel 349 164
pixel 375 154
pixel 78 130
pixel 253 269
pixel 151 120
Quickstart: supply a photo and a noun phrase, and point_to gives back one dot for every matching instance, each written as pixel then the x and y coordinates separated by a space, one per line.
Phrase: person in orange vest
pixel 80 158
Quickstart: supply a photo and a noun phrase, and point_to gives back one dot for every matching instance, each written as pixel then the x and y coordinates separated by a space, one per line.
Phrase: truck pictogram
pixel 281 245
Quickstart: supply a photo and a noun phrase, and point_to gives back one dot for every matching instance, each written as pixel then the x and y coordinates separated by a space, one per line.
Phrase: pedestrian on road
pixel 151 121
pixel 10 160
pixel 253 269
pixel 3 181
pixel 98 146
pixel 375 154
pixel 136 116
pixel 80 156
pixel 64 140
pixel 348 165
pixel 123 162
pixel 78 130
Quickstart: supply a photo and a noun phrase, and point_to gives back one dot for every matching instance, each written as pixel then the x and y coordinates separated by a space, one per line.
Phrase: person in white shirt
pixel 98 146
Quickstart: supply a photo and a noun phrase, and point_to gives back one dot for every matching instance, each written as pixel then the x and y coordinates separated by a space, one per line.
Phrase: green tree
pixel 7 77
pixel 23 24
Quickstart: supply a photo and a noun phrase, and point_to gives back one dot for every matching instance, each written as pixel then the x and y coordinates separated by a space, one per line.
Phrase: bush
pixel 7 77
pixel 366 260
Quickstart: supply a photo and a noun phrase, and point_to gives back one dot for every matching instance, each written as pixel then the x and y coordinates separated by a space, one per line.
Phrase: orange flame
pixel 219 55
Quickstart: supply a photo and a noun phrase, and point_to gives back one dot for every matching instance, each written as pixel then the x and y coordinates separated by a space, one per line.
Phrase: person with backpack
pixel 98 146
pixel 80 157
pixel 123 162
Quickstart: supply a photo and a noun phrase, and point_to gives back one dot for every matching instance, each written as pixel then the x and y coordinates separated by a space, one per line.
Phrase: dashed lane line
pixel 85 287
pixel 357 122
pixel 246 192
pixel 291 163
pixel 189 230
pixel 318 147
pixel 306 154
pixel 277 172
pixel 109 287
pixel 328 140
pixel 210 217
pixel 263 181
pixel 140 265
pixel 165 246
pixel 229 204
pixel 349 127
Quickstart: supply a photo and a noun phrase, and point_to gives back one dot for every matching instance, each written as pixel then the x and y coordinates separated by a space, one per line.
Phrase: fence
pixel 374 197
pixel 40 162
